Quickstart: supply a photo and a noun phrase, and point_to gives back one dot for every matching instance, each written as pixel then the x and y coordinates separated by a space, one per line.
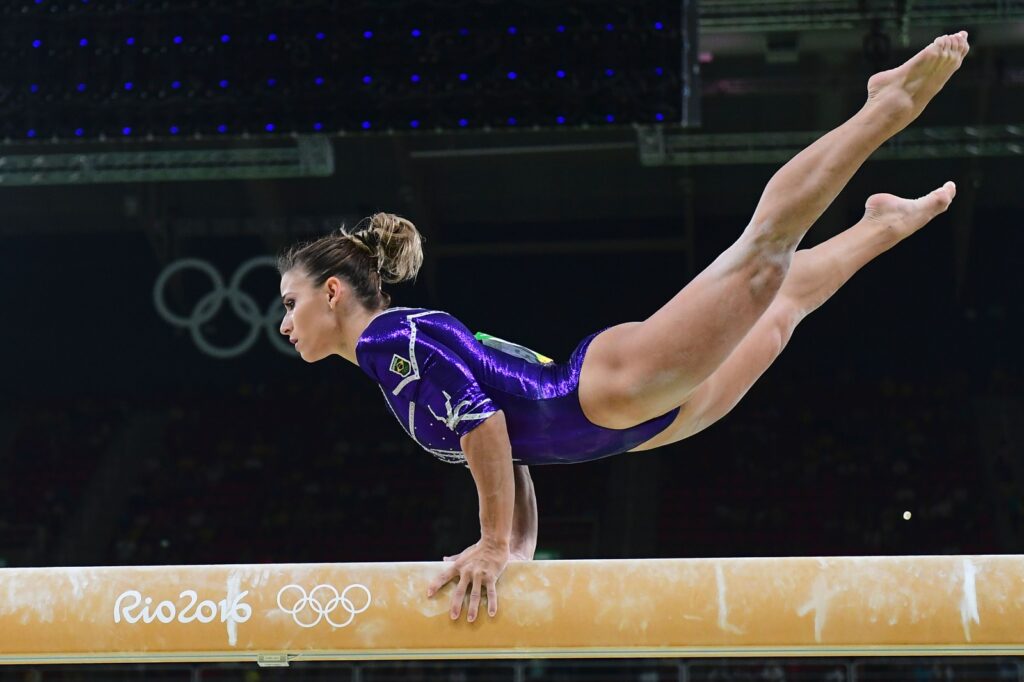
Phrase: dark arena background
pixel 571 166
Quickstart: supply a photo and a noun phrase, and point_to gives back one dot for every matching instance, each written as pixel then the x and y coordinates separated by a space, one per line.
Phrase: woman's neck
pixel 352 326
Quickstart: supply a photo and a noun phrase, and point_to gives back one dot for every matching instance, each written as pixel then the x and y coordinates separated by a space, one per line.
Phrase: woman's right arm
pixel 524 516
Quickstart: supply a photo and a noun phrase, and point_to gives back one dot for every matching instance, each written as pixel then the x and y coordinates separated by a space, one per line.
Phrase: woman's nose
pixel 285 327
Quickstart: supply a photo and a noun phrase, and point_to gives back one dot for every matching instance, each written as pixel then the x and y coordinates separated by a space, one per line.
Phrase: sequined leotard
pixel 441 381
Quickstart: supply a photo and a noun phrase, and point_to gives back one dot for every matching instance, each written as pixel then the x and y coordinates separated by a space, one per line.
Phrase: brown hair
pixel 382 248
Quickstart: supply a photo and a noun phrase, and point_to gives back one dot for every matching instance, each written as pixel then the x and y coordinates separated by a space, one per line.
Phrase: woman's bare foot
pixel 904 91
pixel 817 273
pixel 903 217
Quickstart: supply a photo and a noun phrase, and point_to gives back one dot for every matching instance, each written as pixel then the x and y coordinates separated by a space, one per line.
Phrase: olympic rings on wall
pixel 323 610
pixel 207 307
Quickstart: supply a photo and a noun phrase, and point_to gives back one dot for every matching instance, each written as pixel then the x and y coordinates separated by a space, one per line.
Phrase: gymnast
pixel 498 407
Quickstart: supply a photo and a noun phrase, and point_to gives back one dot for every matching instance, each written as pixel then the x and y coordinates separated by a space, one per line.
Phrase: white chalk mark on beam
pixel 820 595
pixel 723 608
pixel 234 581
pixel 969 602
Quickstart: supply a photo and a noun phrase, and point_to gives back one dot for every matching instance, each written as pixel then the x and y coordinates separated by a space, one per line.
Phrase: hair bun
pixel 397 245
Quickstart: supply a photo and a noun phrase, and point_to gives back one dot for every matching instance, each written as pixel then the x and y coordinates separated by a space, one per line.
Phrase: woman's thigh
pixel 639 370
pixel 727 385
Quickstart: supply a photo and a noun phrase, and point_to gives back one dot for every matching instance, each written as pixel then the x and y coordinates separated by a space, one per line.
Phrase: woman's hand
pixel 521 555
pixel 516 553
pixel 479 567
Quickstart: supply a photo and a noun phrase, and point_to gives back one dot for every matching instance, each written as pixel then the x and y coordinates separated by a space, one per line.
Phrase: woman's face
pixel 309 320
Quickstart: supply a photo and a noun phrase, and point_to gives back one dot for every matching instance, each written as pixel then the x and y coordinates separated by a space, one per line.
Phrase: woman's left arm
pixel 524 516
pixel 489 455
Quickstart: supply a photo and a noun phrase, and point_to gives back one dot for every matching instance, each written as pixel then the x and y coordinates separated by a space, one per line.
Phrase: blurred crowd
pixel 293 474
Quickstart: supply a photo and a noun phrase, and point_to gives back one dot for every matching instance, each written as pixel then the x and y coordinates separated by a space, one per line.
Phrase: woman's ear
pixel 334 289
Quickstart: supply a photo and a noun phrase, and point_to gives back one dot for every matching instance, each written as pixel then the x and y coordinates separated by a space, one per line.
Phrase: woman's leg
pixel 637 371
pixel 814 276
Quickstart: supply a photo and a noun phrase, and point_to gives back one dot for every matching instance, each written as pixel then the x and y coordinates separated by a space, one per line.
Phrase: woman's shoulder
pixel 396 327
pixel 396 340
pixel 408 319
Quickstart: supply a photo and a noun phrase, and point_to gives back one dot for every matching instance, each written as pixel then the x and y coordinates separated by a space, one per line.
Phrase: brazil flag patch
pixel 401 366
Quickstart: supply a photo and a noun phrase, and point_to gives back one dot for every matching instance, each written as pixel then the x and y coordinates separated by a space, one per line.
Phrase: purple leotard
pixel 441 382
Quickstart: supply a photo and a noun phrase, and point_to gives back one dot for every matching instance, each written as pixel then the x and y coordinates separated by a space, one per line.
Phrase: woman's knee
pixel 813 277
pixel 785 314
pixel 766 261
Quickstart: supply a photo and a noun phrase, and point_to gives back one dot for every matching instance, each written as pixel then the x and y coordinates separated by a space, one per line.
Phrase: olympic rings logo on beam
pixel 322 609
pixel 207 307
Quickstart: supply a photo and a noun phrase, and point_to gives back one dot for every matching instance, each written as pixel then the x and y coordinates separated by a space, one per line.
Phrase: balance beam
pixel 275 613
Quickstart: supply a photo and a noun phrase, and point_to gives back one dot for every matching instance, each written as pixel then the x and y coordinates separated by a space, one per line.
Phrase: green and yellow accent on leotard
pixel 513 349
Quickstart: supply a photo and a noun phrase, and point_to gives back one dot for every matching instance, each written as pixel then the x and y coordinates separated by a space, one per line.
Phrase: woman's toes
pixel 943 197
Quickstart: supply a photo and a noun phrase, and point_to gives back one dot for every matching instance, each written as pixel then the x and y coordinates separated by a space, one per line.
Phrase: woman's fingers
pixel 442 579
pixel 475 570
pixel 492 598
pixel 474 599
pixel 458 595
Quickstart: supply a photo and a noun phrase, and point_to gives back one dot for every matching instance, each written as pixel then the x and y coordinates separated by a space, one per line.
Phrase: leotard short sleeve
pixel 408 363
